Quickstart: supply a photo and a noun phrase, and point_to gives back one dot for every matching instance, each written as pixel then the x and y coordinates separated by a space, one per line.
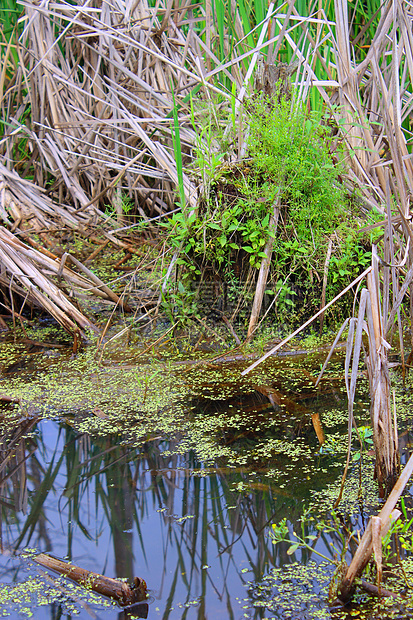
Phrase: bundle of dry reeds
pixel 32 273
pixel 99 83
pixel 103 82
pixel 26 206
pixel 109 89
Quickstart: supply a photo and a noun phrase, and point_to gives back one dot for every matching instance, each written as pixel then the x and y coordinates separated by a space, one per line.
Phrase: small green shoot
pixel 366 438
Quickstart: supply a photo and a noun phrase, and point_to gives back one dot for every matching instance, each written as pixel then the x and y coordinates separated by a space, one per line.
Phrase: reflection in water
pixel 197 536
pixel 190 515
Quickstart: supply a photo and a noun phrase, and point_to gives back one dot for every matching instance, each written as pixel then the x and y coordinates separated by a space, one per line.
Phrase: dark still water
pixel 199 537
pixel 179 475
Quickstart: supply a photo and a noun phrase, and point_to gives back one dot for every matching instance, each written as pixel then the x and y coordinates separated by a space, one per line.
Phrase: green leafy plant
pixel 402 530
pixel 207 158
pixel 366 441
pixel 280 532
pixel 351 256
pixel 126 204
pixel 179 304
pixel 288 147
pixel 288 163
pixel 176 138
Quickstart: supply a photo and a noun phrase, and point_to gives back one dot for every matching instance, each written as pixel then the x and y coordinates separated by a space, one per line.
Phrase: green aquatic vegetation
pixel 333 418
pixel 203 408
pixel 10 353
pixel 365 435
pixel 100 399
pixel 300 590
pixel 329 447
pixel 401 531
pixel 207 412
pixel 305 541
pixel 46 333
pixel 36 592
pixel 354 492
pixel 135 400
pixel 293 591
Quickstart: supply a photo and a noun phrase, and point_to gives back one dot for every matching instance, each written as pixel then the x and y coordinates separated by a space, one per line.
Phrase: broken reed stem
pixel 263 272
pixel 379 382
pixel 365 548
pixel 306 324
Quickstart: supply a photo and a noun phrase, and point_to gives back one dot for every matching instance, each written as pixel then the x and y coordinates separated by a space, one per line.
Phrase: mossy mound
pixel 288 188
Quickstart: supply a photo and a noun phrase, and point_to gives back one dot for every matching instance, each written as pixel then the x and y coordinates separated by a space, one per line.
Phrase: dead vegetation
pixel 96 97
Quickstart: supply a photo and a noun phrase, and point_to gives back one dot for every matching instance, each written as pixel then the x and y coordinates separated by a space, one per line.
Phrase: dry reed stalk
pixel 21 200
pixel 57 266
pixel 365 548
pixel 22 266
pixel 88 125
pixel 263 272
pixel 384 434
pixel 306 324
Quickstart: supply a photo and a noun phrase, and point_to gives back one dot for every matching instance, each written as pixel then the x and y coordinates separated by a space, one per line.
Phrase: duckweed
pixel 258 426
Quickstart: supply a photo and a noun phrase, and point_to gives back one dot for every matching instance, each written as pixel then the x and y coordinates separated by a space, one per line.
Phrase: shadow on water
pixel 194 524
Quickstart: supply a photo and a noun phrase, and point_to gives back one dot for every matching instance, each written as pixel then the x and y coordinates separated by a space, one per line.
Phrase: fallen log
pixel 123 592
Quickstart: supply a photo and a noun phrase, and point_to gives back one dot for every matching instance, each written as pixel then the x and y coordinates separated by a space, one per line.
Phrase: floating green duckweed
pixel 258 427
pixel 35 592
pixel 300 591
pixel 356 492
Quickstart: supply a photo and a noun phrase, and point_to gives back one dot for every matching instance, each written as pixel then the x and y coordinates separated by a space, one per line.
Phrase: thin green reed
pixel 10 29
pixel 247 21
pixel 10 12
pixel 218 13
pixel 363 19
pixel 260 10
pixel 176 139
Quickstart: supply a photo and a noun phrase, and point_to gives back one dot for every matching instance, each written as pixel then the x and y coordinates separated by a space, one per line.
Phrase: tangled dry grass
pixel 94 97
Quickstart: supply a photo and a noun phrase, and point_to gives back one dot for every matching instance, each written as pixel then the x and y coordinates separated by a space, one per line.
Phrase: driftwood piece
pixel 365 548
pixel 124 593
pixel 4 398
